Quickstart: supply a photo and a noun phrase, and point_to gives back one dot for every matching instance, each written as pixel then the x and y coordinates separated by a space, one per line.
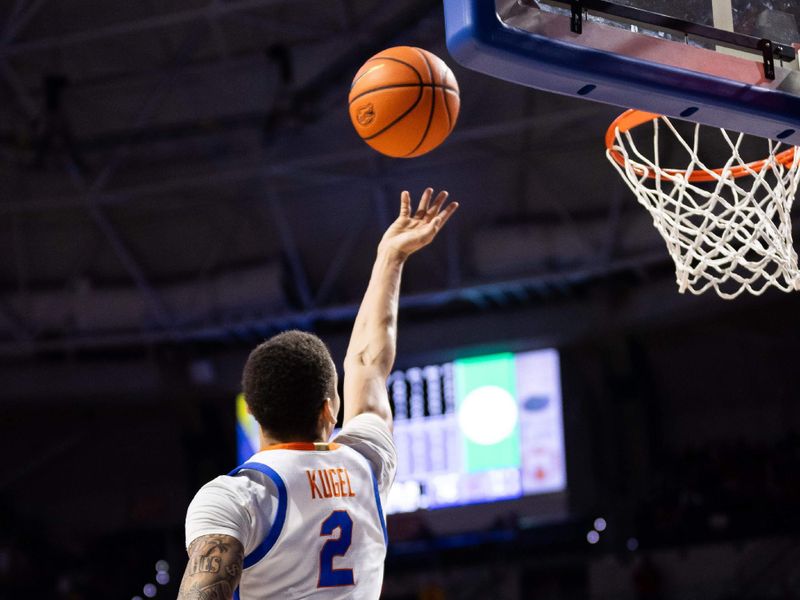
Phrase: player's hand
pixel 410 232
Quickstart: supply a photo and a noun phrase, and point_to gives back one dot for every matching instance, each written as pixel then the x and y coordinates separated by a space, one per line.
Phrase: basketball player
pixel 302 518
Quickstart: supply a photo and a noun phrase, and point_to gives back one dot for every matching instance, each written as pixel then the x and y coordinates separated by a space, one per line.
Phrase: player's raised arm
pixel 371 352
pixel 214 569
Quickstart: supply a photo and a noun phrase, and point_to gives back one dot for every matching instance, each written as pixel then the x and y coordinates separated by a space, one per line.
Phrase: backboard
pixel 726 63
pixel 776 20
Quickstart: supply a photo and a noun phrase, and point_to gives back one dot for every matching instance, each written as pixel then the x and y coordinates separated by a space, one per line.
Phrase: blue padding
pixel 380 508
pixel 478 40
pixel 280 516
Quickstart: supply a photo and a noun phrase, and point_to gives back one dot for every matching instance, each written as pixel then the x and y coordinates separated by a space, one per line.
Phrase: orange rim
pixel 632 118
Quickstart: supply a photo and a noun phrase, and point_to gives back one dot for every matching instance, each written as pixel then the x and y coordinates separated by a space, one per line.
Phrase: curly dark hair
pixel 285 382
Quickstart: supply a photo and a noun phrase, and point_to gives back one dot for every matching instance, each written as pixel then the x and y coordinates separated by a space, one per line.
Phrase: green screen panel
pixel 494 371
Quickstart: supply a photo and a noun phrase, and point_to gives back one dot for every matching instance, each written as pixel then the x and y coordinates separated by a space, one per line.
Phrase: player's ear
pixel 328 415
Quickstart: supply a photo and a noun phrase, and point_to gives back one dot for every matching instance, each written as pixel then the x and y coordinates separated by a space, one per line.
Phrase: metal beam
pixel 212 177
pixel 132 266
pixel 272 27
pixel 21 94
pixel 346 249
pixel 97 214
pixel 375 33
pixel 112 236
pixel 289 245
pixel 341 259
pixel 20 19
pixel 210 11
pixel 199 129
pixel 302 165
pixel 145 113
pixel 345 313
pixel 228 225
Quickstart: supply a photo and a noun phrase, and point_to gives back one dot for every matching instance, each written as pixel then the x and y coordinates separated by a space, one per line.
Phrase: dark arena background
pixel 180 180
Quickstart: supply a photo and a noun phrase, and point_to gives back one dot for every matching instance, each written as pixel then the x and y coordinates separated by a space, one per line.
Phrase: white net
pixel 732 231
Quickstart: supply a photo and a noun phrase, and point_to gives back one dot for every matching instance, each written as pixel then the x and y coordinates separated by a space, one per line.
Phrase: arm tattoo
pixel 214 569
pixel 216 591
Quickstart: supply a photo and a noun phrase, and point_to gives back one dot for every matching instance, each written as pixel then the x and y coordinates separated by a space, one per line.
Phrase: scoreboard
pixel 477 430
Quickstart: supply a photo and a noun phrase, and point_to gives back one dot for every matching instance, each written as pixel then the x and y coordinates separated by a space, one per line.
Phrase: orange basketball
pixel 404 101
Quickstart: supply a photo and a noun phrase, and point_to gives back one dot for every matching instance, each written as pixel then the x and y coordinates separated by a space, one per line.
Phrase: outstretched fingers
pixel 405 204
pixel 422 209
pixel 443 216
pixel 437 206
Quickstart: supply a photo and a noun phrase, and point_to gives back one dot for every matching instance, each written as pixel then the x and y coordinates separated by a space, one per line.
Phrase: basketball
pixel 404 102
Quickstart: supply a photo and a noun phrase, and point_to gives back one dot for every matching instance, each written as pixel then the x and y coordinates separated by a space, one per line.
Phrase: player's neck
pixel 269 440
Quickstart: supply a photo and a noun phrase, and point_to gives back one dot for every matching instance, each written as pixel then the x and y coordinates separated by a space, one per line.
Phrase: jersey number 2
pixel 328 576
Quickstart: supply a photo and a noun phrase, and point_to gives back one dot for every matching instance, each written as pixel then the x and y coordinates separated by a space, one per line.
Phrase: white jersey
pixel 308 515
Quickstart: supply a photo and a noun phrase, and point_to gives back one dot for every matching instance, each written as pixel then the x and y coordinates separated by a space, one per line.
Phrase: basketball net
pixel 730 228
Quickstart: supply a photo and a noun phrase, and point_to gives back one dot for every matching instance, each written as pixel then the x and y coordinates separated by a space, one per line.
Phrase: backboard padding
pixel 611 64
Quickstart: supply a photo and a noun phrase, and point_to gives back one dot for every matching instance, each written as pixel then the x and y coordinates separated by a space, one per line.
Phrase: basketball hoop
pixel 719 231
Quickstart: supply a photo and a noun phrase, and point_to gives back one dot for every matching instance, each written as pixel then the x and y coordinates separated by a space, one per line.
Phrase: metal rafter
pixel 340 260
pixel 112 236
pixel 213 10
pixel 374 33
pixel 291 249
pixel 427 300
pixel 20 18
pixel 297 168
pixel 228 227
pixel 91 189
pixel 273 27
pixel 131 265
pixel 27 104
pixel 302 167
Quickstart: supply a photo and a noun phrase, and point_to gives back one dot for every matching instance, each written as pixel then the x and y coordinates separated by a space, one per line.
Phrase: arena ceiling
pixel 185 170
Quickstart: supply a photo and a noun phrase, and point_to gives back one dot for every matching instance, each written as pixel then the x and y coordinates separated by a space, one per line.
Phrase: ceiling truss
pixel 274 173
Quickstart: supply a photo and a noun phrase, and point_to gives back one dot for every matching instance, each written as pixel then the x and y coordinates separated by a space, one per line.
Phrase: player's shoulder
pixel 367 431
pixel 243 486
pixel 370 436
pixel 366 425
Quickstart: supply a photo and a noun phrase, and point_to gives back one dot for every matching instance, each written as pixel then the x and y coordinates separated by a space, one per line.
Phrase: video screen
pixel 478 430
pixel 470 431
